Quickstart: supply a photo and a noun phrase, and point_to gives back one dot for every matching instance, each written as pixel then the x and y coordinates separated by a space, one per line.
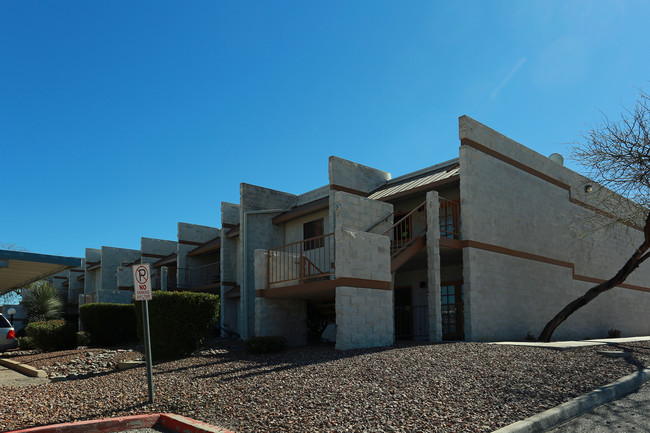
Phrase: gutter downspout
pixel 244 285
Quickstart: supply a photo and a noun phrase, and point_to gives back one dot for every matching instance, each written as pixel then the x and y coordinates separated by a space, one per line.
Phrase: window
pixel 313 229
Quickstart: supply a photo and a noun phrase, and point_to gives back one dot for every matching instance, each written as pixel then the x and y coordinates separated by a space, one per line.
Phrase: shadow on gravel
pixel 271 363
pixel 632 360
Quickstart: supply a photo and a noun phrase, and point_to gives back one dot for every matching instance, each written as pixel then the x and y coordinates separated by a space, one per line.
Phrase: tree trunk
pixel 632 263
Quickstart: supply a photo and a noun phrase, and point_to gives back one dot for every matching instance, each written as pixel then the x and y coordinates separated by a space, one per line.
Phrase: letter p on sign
pixel 142 282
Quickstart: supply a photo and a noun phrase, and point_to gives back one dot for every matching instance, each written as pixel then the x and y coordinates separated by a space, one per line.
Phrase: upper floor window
pixel 313 229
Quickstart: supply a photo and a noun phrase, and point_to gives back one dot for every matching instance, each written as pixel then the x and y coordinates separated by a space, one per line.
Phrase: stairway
pixel 408 236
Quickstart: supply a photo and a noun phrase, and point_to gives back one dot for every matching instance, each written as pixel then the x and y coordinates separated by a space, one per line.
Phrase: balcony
pixel 204 278
pixel 307 261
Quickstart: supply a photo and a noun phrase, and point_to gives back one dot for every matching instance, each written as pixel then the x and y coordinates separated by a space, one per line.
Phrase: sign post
pixel 142 286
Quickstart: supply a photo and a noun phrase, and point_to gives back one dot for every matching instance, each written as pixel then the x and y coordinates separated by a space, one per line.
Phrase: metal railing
pixel 301 262
pixel 408 228
pixel 156 283
pixel 203 275
pixel 450 218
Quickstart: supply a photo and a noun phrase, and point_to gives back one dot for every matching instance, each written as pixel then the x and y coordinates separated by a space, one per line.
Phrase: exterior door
pixel 403 313
pixel 451 306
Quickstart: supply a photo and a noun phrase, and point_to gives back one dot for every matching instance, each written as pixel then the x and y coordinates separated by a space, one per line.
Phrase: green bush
pixel 26 343
pixel 53 335
pixel 265 344
pixel 109 324
pixel 178 322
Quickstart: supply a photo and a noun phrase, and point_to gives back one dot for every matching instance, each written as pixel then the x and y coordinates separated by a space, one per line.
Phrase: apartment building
pixel 487 246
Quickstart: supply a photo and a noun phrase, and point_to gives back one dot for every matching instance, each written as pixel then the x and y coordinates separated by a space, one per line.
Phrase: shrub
pixel 53 335
pixel 109 324
pixel 178 322
pixel 614 333
pixel 83 338
pixel 265 344
pixel 42 302
pixel 26 343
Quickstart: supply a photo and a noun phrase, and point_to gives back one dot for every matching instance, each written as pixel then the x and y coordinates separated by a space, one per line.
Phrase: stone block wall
pixel 362 255
pixel 278 317
pixel 189 237
pixel 355 176
pixel 113 259
pixel 364 318
pixel 258 206
pixel 229 251
pixel 115 296
pixel 433 266
pixel 532 244
pixel 359 213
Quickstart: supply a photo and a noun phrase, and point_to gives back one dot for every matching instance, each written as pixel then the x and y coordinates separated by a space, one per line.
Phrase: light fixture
pixel 11 313
pixel 588 189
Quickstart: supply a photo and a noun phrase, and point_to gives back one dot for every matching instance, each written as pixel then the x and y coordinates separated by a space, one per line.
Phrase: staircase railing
pixel 375 225
pixel 409 228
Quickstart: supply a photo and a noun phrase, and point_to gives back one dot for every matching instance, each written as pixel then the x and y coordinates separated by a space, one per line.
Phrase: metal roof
pixel 418 180
pixel 19 269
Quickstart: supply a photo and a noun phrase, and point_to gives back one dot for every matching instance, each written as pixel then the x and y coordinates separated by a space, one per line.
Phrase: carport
pixel 18 269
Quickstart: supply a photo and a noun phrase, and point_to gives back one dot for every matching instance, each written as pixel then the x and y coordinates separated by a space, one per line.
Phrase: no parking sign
pixel 142 288
pixel 142 282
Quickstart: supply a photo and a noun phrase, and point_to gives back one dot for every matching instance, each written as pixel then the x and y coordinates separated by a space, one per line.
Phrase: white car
pixel 7 335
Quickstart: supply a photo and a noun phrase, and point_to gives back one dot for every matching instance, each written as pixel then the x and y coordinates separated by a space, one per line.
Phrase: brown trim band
pixel 542 259
pixel 514 163
pixel 321 287
pixel 335 187
pixel 229 226
pixel 184 242
pixel 302 210
pixel 543 176
pixel 154 256
pixel 228 283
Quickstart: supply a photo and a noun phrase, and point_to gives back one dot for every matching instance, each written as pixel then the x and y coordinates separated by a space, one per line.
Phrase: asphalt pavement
pixel 9 377
pixel 628 414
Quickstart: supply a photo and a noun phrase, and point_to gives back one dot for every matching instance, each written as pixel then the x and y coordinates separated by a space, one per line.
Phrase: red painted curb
pixel 182 424
pixel 176 423
pixel 108 425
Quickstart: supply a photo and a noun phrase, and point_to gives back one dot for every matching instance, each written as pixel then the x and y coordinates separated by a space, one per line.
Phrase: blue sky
pixel 118 119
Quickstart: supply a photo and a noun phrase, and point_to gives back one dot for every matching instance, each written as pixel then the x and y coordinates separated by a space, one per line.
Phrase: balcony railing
pixel 171 279
pixel 301 262
pixel 450 218
pixel 204 275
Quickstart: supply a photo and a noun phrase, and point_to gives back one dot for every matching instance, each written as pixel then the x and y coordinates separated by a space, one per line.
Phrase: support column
pixel 433 266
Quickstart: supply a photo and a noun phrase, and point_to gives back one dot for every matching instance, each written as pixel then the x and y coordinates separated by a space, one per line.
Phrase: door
pixel 403 313
pixel 451 306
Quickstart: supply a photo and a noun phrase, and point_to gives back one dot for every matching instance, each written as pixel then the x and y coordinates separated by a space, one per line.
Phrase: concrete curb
pixel 25 369
pixel 170 421
pixel 552 418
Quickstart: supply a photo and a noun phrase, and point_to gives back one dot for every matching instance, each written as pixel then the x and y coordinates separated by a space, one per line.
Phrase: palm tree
pixel 42 302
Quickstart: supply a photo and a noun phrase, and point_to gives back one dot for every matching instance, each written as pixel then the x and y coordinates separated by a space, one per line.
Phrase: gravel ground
pixel 459 387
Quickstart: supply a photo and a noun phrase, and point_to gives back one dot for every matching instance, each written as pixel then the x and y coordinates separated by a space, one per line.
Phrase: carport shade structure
pixel 19 269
